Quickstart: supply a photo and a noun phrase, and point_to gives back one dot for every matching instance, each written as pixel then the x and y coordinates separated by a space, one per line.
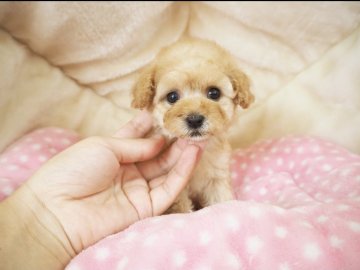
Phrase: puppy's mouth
pixel 195 134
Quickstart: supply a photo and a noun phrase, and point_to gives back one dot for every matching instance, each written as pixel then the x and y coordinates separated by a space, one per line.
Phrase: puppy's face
pixel 194 102
pixel 192 89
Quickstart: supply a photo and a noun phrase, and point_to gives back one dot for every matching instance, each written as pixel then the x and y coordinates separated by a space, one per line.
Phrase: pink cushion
pixel 21 159
pixel 297 207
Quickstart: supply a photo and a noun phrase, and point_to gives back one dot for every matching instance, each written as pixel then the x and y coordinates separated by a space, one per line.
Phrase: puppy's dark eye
pixel 172 97
pixel 213 93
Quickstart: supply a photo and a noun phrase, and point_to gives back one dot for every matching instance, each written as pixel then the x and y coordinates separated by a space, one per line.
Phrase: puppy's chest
pixel 214 166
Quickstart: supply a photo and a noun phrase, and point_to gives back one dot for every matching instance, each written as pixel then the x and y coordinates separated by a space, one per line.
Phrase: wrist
pixel 32 238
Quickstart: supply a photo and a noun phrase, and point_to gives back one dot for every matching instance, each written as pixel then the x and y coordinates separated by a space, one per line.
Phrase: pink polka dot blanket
pixel 297 207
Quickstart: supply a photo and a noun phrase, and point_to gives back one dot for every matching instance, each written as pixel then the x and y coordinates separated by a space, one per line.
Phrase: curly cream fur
pixel 190 67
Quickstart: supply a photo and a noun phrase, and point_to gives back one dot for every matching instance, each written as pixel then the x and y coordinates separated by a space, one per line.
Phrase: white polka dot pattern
pixel 25 156
pixel 298 208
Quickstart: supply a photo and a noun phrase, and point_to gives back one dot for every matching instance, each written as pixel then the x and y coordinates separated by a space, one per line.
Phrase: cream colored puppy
pixel 192 89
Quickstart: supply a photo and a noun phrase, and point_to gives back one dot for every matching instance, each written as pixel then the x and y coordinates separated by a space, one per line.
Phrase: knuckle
pixel 177 173
pixel 163 163
pixel 168 191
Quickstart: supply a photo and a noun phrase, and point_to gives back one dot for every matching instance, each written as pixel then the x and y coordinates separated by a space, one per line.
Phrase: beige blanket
pixel 73 64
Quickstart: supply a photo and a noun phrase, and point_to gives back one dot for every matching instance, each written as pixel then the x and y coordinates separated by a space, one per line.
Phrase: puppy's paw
pixel 181 206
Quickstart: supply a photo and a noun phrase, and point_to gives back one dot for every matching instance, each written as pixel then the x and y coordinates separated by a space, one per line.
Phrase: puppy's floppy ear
pixel 144 89
pixel 241 85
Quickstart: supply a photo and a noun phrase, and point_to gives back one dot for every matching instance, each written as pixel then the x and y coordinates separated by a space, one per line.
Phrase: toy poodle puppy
pixel 192 89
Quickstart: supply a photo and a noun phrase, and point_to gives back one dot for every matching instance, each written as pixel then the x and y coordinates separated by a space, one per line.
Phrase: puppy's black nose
pixel 195 120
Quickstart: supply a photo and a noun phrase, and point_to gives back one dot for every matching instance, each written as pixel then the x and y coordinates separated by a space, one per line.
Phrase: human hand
pixel 101 185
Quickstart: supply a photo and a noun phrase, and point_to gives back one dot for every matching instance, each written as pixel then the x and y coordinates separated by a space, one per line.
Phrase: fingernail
pixel 142 116
pixel 182 143
pixel 196 151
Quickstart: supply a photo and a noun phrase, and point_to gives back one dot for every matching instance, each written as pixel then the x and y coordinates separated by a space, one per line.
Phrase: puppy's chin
pixel 189 135
pixel 196 136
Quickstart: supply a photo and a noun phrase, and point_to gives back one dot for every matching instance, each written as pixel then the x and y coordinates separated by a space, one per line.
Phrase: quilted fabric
pixel 301 58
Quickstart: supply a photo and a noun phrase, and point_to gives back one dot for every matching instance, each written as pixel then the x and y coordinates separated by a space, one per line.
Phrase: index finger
pixel 130 150
pixel 162 163
pixel 163 195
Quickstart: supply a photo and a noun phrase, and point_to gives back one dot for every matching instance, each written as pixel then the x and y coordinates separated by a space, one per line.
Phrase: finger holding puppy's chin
pixel 201 144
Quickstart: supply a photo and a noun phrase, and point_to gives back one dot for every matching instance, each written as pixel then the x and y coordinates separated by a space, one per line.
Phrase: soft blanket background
pixel 72 65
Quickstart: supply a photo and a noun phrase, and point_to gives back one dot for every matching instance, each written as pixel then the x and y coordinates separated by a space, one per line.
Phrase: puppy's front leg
pixel 182 204
pixel 219 191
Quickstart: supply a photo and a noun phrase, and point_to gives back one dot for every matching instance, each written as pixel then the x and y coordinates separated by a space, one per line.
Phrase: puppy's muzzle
pixel 194 120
